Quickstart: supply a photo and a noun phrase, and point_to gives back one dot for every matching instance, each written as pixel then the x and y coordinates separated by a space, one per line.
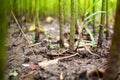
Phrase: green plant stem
pixel 61 22
pixel 36 21
pixel 72 25
pixel 100 38
pixel 107 20
pixel 93 19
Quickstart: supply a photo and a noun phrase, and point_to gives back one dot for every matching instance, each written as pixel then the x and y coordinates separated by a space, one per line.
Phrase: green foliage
pixel 91 36
pixel 93 14
pixel 50 7
pixel 89 9
pixel 14 73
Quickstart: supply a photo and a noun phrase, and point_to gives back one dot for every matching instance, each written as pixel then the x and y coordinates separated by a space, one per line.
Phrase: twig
pixel 22 30
pixel 88 49
pixel 34 44
pixel 20 27
pixel 54 61
pixel 68 56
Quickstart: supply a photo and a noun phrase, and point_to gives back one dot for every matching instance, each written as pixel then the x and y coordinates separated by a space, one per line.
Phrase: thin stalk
pixel 72 27
pixel 100 38
pixel 64 10
pixel 107 22
pixel 93 19
pixel 36 21
pixel 61 23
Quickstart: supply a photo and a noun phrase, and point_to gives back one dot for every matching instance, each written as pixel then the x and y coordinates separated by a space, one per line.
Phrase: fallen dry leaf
pixel 46 63
pixel 61 75
pixel 33 27
pixel 49 19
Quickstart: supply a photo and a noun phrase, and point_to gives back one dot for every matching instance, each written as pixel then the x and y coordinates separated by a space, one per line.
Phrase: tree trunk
pixel 3 33
pixel 113 66
pixel 72 27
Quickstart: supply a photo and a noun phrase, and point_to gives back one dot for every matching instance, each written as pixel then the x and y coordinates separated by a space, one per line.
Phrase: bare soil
pixel 24 59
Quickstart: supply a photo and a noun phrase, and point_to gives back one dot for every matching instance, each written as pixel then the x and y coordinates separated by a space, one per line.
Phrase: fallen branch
pixel 31 45
pixel 46 63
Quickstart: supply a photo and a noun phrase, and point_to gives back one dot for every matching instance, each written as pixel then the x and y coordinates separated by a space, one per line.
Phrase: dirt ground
pixel 46 61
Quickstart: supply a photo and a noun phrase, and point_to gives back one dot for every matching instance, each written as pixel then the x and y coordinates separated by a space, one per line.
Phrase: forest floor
pixel 46 61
